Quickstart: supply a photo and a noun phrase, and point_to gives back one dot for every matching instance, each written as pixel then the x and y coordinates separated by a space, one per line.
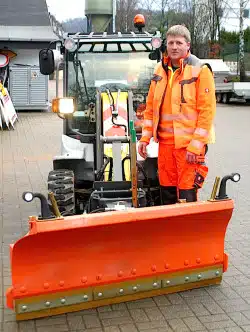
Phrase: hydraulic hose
pixel 100 173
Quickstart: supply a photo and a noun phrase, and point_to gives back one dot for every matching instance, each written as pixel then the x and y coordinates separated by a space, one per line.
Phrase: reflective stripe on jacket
pixel 192 103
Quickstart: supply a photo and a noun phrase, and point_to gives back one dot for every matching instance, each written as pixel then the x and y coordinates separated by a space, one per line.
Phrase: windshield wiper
pixel 84 81
pixel 79 93
pixel 77 63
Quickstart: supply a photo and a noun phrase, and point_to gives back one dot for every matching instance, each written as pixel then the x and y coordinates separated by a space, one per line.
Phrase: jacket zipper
pixel 169 81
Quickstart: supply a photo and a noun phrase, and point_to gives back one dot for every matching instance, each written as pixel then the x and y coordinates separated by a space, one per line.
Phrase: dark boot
pixel 190 195
pixel 168 195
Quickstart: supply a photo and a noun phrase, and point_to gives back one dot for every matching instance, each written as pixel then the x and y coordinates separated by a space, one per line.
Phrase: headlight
pixel 70 44
pixel 156 42
pixel 63 105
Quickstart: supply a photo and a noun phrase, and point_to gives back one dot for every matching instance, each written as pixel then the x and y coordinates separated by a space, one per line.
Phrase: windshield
pixel 114 70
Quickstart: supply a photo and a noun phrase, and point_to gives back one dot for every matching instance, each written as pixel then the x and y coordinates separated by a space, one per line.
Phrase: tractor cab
pixel 106 78
pixel 101 62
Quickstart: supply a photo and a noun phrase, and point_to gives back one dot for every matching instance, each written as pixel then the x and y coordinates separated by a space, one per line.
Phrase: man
pixel 179 115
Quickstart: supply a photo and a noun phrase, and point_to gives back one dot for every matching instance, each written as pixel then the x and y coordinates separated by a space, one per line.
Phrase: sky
pixel 62 11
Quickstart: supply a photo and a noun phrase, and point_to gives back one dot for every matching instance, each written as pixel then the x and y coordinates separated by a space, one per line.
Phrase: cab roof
pixel 115 42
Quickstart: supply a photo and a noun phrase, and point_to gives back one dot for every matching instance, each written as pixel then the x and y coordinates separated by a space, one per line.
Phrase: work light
pixel 63 105
pixel 70 44
pixel 156 42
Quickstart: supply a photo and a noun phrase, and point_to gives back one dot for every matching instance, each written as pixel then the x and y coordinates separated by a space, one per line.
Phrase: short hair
pixel 179 30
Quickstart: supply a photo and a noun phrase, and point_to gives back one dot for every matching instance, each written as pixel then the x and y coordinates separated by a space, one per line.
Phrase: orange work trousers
pixel 174 170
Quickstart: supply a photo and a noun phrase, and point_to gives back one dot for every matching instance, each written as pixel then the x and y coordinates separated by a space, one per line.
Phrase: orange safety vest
pixel 191 109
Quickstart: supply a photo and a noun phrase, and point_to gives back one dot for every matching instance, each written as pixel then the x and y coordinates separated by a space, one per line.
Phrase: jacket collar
pixel 166 61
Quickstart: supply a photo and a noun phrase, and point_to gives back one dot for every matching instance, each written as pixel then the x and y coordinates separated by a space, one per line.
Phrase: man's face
pixel 177 47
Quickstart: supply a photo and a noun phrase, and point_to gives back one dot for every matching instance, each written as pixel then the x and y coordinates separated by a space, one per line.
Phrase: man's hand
pixel 191 157
pixel 142 149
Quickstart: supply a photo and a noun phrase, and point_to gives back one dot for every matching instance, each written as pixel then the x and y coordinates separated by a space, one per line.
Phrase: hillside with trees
pixel 74 25
pixel 203 18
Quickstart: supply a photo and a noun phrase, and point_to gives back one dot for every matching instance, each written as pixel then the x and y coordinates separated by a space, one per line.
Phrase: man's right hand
pixel 142 149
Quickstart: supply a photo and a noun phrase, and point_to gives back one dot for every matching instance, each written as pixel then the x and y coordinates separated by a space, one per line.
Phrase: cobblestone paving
pixel 26 158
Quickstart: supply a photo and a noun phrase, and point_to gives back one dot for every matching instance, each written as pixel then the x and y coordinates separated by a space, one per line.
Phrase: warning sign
pixel 34 74
pixel 8 113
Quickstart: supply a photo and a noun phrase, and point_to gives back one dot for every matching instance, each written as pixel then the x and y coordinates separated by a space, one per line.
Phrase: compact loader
pixel 103 235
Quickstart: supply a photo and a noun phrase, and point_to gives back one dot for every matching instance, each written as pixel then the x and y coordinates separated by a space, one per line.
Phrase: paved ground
pixel 25 159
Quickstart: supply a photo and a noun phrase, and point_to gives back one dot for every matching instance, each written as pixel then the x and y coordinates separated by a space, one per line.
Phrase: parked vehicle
pixel 225 88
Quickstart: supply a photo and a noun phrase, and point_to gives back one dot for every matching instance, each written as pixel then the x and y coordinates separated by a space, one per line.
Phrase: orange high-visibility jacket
pixel 191 108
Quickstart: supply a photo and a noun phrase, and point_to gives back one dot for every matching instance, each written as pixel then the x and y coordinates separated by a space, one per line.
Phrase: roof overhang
pixel 27 33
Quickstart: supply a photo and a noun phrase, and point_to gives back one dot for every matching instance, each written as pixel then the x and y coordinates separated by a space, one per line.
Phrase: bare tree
pixel 126 10
pixel 156 13
pixel 204 22
pixel 202 18
pixel 241 41
pixel 147 9
pixel 215 10
pixel 197 21
pixel 163 6
pixel 74 25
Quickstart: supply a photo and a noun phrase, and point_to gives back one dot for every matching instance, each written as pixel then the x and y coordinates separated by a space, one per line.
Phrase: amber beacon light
pixel 139 22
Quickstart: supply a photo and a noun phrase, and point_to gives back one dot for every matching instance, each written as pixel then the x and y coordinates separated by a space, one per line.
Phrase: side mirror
pixel 46 61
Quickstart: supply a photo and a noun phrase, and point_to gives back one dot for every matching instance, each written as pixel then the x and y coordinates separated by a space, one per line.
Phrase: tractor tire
pixel 61 183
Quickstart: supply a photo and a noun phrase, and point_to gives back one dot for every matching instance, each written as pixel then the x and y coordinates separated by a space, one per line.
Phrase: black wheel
pixel 225 98
pixel 61 183
pixel 218 97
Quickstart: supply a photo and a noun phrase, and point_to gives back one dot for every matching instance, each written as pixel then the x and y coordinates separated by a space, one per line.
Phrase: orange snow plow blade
pixel 86 261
